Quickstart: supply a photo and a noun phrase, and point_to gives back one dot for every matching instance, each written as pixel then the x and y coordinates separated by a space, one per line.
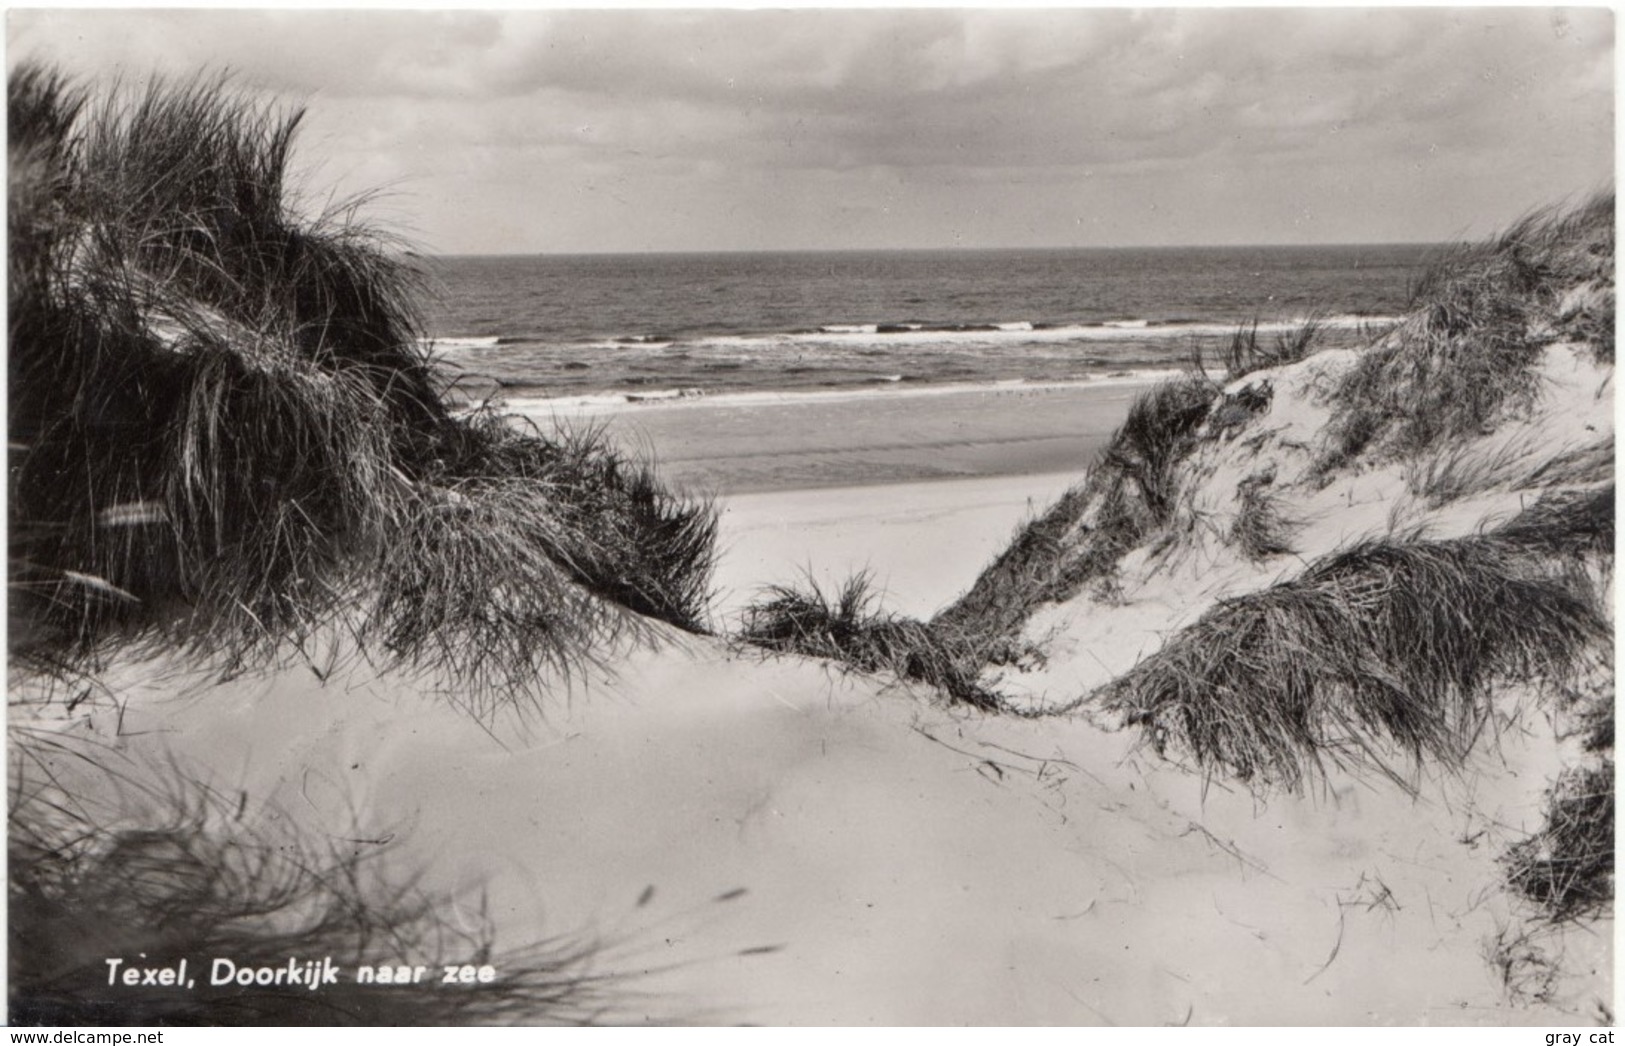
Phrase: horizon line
pixel 681 252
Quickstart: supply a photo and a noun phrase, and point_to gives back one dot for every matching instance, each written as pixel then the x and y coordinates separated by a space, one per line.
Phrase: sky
pixel 508 131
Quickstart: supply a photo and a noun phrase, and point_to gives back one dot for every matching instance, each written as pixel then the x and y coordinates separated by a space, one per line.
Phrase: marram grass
pixel 1386 645
pixel 176 871
pixel 1128 493
pixel 1480 318
pixel 848 626
pixel 227 444
pixel 226 436
pixel 1567 867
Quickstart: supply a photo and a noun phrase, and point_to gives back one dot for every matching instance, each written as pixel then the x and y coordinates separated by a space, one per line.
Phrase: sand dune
pixel 903 863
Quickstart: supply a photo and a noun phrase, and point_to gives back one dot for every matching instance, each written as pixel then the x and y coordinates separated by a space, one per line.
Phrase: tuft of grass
pixel 1564 526
pixel 632 540
pixel 1590 319
pixel 848 626
pixel 1037 566
pixel 1158 433
pixel 183 343
pixel 1464 469
pixel 1260 529
pixel 1529 972
pixel 1568 866
pixel 1245 352
pixel 1385 642
pixel 472 585
pixel 256 440
pixel 1588 711
pixel 1481 316
pixel 180 871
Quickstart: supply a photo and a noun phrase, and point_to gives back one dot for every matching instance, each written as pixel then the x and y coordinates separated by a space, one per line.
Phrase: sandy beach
pixel 728 445
pixel 900 863
pixel 921 487
pixel 923 542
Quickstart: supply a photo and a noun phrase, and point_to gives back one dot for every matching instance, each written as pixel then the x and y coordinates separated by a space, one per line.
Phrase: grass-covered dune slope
pixel 1352 546
pixel 1289 560
pixel 228 447
pixel 225 435
pixel 1492 398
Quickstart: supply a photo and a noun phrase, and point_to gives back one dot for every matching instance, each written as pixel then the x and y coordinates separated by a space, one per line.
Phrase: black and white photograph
pixel 1053 517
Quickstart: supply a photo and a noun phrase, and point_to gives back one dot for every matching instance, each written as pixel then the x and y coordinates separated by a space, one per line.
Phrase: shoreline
pixel 723 448
pixel 605 402
pixel 915 333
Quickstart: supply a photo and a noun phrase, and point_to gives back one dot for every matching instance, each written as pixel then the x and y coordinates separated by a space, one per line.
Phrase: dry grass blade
pixel 177 871
pixel 849 627
pixel 1381 644
pixel 1464 469
pixel 1482 316
pixel 1245 352
pixel 1261 529
pixel 1568 866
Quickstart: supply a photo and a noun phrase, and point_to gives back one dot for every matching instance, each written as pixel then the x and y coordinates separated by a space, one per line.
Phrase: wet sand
pixel 754 443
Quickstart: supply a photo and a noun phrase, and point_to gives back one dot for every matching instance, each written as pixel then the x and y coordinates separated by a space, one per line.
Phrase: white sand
pixel 903 863
pixel 924 543
pixel 728 445
pixel 906 864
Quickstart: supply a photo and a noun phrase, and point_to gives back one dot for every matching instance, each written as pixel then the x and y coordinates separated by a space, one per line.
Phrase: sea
pixel 646 327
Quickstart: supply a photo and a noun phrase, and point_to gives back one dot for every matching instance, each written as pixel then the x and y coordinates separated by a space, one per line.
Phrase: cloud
pixel 728 110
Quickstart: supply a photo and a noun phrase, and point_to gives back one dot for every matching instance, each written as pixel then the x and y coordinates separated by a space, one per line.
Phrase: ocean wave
pixel 543 407
pixel 914 334
pixel 452 344
pixel 1005 333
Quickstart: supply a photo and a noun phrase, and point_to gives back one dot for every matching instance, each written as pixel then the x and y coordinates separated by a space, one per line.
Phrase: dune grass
pixel 629 539
pixel 1480 317
pixel 1568 866
pixel 1261 529
pixel 1387 643
pixel 176 870
pixel 1158 433
pixel 254 440
pixel 1245 352
pixel 1449 372
pixel 1464 469
pixel 848 626
pixel 1127 494
pixel 228 447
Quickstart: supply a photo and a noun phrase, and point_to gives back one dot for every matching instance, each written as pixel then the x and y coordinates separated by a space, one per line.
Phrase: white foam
pixel 544 407
pixel 662 394
pixel 906 336
pixel 1020 332
pixel 457 343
